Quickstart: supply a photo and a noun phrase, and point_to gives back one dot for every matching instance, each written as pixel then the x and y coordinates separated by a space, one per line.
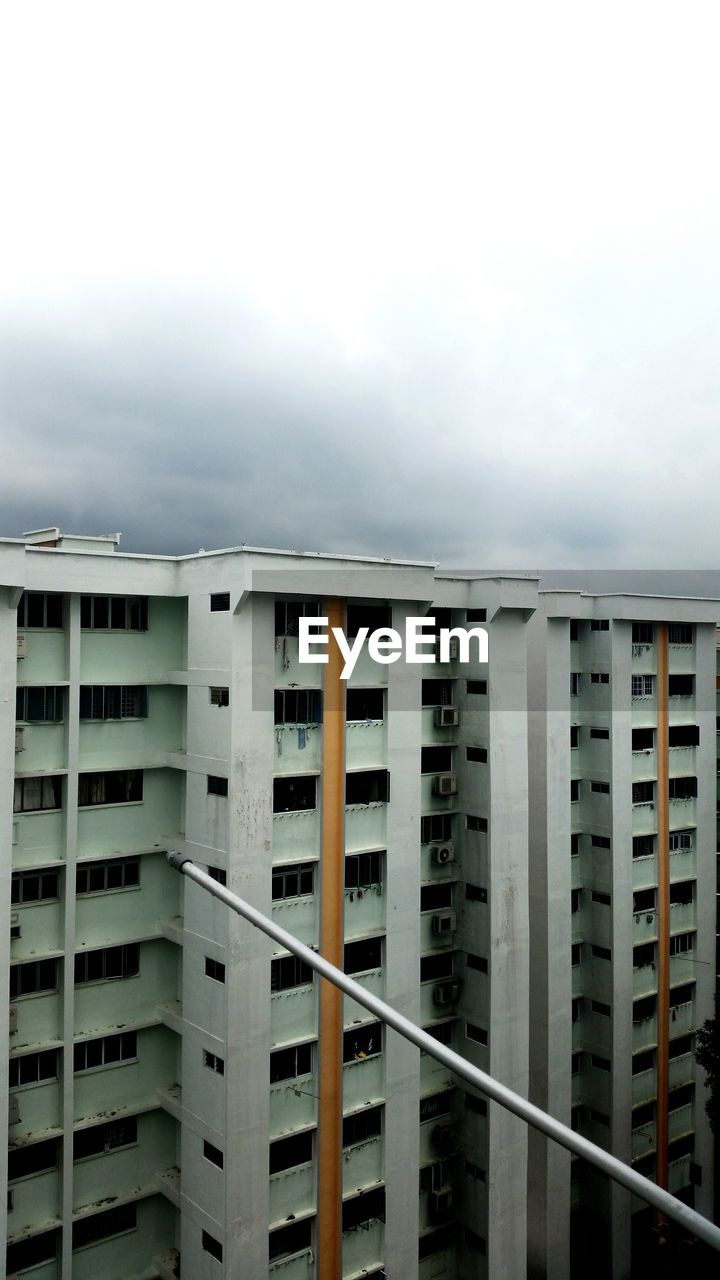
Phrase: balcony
pixel 363 1248
pixel 683 864
pixel 678 1174
pixel 293 1104
pixel 293 1014
pixel 298 748
pixel 644 818
pixel 39 1107
pixel 372 981
pixel 296 835
pixel 682 1018
pixel 645 926
pixel 644 1034
pixel 680 1122
pixel 644 872
pixel 364 911
pixel 363 1082
pixel 682 761
pixel 681 1070
pixel 644 765
pixel 683 813
pixel 683 916
pixel 42 749
pixel 292 1192
pixel 299 917
pixel 36 1200
pixel 365 826
pixel 362 1164
pixel 365 744
pixel 39 1020
pixel 644 981
pixel 644 1086
pixel 643 1140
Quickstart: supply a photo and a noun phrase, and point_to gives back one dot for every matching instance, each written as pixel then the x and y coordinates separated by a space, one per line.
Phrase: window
pixel 286 1064
pixel 436 827
pixel 288 1240
pixel 114 613
pixel 33 977
pixel 575 900
pixel 680 1046
pixel 476 755
pixel 107 963
pixel 34 794
pixel 36 705
pixel 436 759
pixel 287 972
pixel 683 788
pixel 574 629
pixel 474 823
pixel 100 1226
pixel 473 1170
pixel 680 633
pixel 682 893
pixel 643 1061
pixel 289 612
pixel 213 1154
pixel 105 1051
pixel 298 706
pixel 683 735
pixel 362 1042
pixel 362 1125
pixel 644 900
pixel 574 737
pixel 293 794
pixel 295 881
pixel 370 786
pixel 599 677
pixel 643 792
pixel 34 886
pixel 599 733
pixel 108 875
pixel 213 1062
pixel 214 969
pixel 216 786
pixel 643 633
pixel 601 953
pixel 600 842
pixel 437 693
pixel 436 1104
pixel 476 1242
pixel 644 955
pixel 682 943
pixel 681 840
pixel 478 1034
pixel 574 843
pixel 475 893
pixel 475 687
pixel 477 1105
pixel 682 995
pixel 603 898
pixel 576 953
pixel 476 615
pixel 219 696
pixel 30 1253
pixel 577 1009
pixel 574 684
pixel 600 1064
pixel 644 1114
pixel 598 1117
pixel 643 739
pixel 113 702
pixel 212 1246
pixel 365 704
pixel 102 1138
pixel 433 1242
pixel 436 897
pixel 374 616
pixel 643 846
pixel 36 1158
pixel 122 786
pixel 597 1006
pixel 364 869
pixel 360 957
pixel 33 1068
pixel 217 873
pixel 599 624
pixel 437 966
pixel 476 962
pixel 286 1153
pixel 220 602
pixel 602 787
pixel 574 790
pixel 39 609
pixel 442 1031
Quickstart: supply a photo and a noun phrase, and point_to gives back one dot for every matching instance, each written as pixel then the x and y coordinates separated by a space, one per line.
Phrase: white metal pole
pixel 693 1222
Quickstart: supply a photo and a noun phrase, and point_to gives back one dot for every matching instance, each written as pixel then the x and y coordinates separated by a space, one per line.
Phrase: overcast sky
pixel 419 280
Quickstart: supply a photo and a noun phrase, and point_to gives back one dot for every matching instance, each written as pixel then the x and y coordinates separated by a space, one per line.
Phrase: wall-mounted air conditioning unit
pixel 13 1110
pixel 22 646
pixel 454 647
pixel 12 1019
pixel 446 717
pixel 19 740
pixel 443 923
pixel 442 854
pixel 443 1138
pixel 15 930
pixel 446 992
pixel 444 784
pixel 441 1203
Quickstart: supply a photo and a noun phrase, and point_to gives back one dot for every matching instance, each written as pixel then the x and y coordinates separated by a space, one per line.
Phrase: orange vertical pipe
pixel 663 909
pixel 331 947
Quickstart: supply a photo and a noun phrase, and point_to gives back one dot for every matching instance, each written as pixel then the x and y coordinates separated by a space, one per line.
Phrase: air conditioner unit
pixel 12 1019
pixel 446 717
pixel 19 740
pixel 442 854
pixel 13 1110
pixel 15 930
pixel 444 784
pixel 443 1138
pixel 454 647
pixel 443 923
pixel 446 992
pixel 22 646
pixel 441 1202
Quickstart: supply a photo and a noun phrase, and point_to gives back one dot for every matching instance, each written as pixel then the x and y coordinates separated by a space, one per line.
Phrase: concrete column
pixel 72 738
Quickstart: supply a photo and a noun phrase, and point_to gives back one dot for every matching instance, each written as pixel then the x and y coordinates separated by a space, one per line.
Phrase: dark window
pixel 34 886
pixel 644 1114
pixel 473 1032
pixel 683 788
pixel 298 706
pixel 216 786
pixel 682 893
pixel 601 953
pixel 114 613
pixel 436 827
pixel 373 616
pixel 365 704
pixel 362 1125
pixel 600 842
pixel 681 686
pixel 294 881
pixel 643 846
pixel 38 609
pixel 576 953
pixel 574 843
pixel 476 687
pixel 363 869
pixel 33 1068
pixel 39 704
pixel 212 1246
pixel 30 1253
pixel 35 976
pixel 478 1105
pixel 436 897
pixel 683 994
pixel 599 733
pixel 287 972
pixel 366 1207
pixel 643 955
pixel 102 1138
pixel 680 633
pixel 574 736
pixel 36 1158
pixel 643 792
pixel 436 1105
pixel 122 786
pixel 437 693
pixel 108 875
pixel 33 794
pixel 369 786
pixel 362 1042
pixel 603 898
pixel 680 1046
pixel 643 739
pixel 574 790
pixel 214 969
pixel 599 624
pixel 113 702
pixel 644 900
pixel 476 1242
pixel 475 823
pixel 217 873
pixel 598 1007
pixel 476 755
pixel 681 840
pixel 442 1031
pixel 643 1061
pixel 363 955
pixel 575 895
pixel 437 966
pixel 213 1154
pixel 289 612
pixel 577 1008
pixel 681 943
pixel 213 1062
pixel 105 1051
pixel 601 1064
pixel 219 696
pixel 602 787
pixel 288 1240
pixel 574 683
pixel 683 735
pixel 436 759
pixel 475 893
pixel 599 677
pixel 433 1242
pixel 292 794
pixel 643 633
pixel 598 1117
pixel 107 963
pixel 286 1153
pixel 574 629
pixel 220 602
pixel 476 962
pixel 286 1064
